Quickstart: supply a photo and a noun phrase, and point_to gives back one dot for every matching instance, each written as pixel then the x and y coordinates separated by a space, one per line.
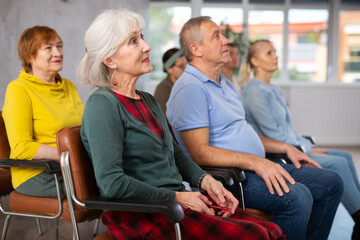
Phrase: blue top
pixel 197 101
pixel 267 111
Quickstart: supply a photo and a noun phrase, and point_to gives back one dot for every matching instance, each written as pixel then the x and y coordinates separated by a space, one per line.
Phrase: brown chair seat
pixel 103 236
pixel 260 213
pixel 5 180
pixel 48 206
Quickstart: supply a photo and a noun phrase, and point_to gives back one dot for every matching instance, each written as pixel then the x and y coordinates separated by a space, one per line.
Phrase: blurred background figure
pixel 267 111
pixel 229 69
pixel 37 105
pixel 174 64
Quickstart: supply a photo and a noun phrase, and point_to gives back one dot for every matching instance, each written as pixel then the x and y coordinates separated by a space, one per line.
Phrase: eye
pixel 133 41
pixel 60 46
pixel 142 36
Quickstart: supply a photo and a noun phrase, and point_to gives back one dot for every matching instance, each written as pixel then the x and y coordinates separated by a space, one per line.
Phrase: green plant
pixel 237 39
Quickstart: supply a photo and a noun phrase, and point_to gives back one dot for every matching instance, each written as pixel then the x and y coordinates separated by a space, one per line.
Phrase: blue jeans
pixel 342 163
pixel 308 210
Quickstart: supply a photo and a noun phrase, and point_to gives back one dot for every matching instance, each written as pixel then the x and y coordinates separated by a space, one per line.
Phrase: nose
pixel 57 51
pixel 225 41
pixel 146 47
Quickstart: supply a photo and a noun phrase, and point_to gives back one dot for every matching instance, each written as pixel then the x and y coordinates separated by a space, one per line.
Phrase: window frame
pixel 333 6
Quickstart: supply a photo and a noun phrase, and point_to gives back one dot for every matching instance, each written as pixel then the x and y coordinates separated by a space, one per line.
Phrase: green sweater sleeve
pixel 103 136
pixel 189 170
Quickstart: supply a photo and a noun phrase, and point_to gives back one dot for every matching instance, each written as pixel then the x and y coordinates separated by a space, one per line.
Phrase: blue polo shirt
pixel 197 101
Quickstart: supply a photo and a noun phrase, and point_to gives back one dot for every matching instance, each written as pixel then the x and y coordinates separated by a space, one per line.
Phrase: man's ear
pixel 109 63
pixel 196 49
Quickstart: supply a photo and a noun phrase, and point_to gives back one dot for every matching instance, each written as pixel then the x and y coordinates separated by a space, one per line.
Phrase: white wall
pixel 70 19
pixel 330 112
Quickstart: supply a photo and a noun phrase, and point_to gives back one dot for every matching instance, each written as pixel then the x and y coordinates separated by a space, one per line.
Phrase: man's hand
pixel 299 158
pixel 274 176
pixel 220 195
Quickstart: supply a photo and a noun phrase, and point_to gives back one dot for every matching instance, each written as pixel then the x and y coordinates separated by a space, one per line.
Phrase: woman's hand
pixel 220 195
pixel 318 151
pixel 195 201
pixel 299 158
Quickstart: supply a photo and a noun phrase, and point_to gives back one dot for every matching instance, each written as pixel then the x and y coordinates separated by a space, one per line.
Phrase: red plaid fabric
pixel 142 112
pixel 195 225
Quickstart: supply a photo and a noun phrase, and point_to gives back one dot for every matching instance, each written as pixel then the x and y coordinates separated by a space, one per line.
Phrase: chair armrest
pixel 310 138
pixel 171 209
pixel 51 166
pixel 278 156
pixel 300 148
pixel 237 174
pixel 224 177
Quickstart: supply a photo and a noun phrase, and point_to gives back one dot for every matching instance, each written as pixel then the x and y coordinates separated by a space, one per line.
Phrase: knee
pixel 334 182
pixel 340 165
pixel 299 200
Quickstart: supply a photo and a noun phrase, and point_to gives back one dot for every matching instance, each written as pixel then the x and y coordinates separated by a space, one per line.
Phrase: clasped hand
pixel 196 201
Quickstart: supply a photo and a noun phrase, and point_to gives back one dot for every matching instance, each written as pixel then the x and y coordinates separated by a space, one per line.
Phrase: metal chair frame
pixel 51 167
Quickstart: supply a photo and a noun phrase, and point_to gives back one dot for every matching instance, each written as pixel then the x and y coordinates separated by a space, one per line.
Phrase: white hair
pixel 102 39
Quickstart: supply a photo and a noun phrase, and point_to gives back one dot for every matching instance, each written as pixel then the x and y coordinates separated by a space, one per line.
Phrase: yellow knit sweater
pixel 34 111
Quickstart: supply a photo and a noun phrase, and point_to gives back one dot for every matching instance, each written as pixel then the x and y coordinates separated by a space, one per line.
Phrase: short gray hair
pixel 102 39
pixel 191 33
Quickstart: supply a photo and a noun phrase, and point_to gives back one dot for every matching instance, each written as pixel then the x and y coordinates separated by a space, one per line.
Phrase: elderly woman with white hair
pixel 132 150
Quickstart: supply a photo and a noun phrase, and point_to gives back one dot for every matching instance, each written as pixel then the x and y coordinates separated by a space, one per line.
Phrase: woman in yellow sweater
pixel 37 105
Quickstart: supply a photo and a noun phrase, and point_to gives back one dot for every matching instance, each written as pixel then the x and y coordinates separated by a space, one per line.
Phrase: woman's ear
pixel 109 63
pixel 254 62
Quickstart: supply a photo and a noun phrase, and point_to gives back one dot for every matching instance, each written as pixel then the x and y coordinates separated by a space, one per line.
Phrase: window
pixel 298 29
pixel 222 15
pixel 349 47
pixel 165 27
pixel 266 24
pixel 307 45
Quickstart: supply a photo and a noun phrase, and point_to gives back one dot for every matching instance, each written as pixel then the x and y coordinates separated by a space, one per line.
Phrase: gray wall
pixel 329 111
pixel 70 19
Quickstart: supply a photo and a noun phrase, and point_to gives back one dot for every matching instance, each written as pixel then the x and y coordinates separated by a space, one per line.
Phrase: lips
pixel 146 60
pixel 56 61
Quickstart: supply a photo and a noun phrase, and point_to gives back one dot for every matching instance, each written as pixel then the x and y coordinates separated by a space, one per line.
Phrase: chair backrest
pixel 5 176
pixel 68 139
pixel 4 143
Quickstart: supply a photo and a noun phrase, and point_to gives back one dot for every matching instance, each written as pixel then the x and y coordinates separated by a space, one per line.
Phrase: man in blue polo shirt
pixel 208 120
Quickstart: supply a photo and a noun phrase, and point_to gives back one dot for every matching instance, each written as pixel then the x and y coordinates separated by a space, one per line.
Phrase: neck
pixel 125 86
pixel 45 77
pixel 212 71
pixel 227 72
pixel 263 76
pixel 172 78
